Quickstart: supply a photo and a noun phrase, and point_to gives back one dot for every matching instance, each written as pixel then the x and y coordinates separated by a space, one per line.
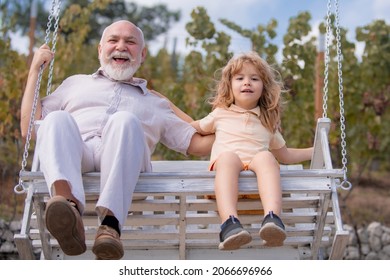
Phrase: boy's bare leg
pixel 267 171
pixel 232 235
pixel 227 167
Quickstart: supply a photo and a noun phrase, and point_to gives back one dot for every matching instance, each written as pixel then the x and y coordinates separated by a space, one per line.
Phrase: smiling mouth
pixel 121 59
pixel 247 90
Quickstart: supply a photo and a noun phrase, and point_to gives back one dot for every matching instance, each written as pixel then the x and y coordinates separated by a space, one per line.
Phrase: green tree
pixel 201 66
pixel 372 117
pixel 12 76
pixel 16 16
pixel 260 38
pixel 298 70
pixel 154 20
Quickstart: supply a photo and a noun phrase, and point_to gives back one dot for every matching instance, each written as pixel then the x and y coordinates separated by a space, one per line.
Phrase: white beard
pixel 119 72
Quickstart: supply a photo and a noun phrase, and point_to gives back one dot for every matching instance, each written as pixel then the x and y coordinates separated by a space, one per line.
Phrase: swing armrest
pixel 321 154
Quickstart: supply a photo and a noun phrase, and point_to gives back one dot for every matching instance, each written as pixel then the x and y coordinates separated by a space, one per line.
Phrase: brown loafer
pixel 64 223
pixel 108 245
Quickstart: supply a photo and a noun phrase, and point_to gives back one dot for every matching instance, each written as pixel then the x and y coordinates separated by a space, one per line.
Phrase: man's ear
pixel 99 50
pixel 143 54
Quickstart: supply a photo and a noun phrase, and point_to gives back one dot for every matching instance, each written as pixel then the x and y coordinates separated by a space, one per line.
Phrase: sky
pixel 250 13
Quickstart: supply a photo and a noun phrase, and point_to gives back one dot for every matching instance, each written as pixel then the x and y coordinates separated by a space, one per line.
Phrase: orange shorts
pixel 245 166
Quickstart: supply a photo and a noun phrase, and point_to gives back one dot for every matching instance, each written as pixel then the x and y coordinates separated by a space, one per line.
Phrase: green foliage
pixel 200 27
pixel 12 78
pixel 298 71
pixel 260 39
pixel 16 16
pixel 200 69
pixel 372 118
pixel 153 20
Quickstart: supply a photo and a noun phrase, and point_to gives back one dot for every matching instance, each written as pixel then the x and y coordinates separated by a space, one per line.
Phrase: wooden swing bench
pixel 172 218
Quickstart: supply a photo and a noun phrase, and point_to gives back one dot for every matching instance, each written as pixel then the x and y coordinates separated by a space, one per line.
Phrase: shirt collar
pixel 137 82
pixel 235 108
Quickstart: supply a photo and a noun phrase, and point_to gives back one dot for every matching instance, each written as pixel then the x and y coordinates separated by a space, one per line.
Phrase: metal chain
pixel 345 184
pixel 55 12
pixel 20 188
pixel 327 59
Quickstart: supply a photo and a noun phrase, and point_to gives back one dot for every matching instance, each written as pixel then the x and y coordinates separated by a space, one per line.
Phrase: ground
pixel 367 201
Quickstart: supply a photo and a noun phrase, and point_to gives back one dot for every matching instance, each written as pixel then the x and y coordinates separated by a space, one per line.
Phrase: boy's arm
pixel 292 155
pixel 42 57
pixel 196 125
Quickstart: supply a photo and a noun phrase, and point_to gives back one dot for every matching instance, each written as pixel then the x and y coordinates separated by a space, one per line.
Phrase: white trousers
pixel 120 154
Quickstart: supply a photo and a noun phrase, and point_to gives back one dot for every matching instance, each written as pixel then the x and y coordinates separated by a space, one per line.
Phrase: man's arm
pixel 42 57
pixel 201 145
pixel 175 109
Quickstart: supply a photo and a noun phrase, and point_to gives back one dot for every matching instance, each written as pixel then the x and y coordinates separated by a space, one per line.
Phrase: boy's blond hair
pixel 270 100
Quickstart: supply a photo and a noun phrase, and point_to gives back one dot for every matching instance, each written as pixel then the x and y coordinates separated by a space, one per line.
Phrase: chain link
pixel 55 11
pixel 345 184
pixel 327 59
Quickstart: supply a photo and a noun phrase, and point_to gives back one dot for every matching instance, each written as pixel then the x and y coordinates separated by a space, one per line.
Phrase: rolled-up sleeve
pixel 54 101
pixel 177 134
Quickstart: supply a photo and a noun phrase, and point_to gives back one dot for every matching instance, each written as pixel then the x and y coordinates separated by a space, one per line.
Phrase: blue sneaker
pixel 232 235
pixel 272 231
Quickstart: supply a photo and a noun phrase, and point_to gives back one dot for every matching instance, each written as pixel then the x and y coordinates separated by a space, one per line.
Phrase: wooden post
pixel 319 77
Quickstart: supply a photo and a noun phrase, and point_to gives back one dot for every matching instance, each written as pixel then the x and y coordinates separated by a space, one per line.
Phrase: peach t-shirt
pixel 241 131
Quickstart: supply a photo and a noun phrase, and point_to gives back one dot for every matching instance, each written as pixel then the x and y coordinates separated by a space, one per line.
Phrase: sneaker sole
pixel 61 222
pixel 272 235
pixel 107 249
pixel 235 241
